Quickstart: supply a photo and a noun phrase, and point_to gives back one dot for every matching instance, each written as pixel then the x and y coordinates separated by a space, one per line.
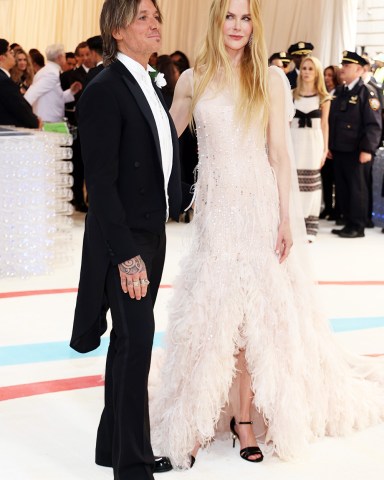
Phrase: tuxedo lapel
pixel 141 101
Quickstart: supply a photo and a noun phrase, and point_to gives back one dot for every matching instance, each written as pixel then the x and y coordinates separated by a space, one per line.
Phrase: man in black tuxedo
pixel 95 45
pixel 132 173
pixel 78 74
pixel 14 109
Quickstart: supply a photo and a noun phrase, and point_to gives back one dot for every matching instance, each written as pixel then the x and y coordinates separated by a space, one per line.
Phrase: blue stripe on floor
pixel 352 324
pixel 54 351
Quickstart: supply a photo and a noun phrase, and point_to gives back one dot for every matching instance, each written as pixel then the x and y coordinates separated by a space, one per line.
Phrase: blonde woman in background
pixel 310 138
pixel 22 73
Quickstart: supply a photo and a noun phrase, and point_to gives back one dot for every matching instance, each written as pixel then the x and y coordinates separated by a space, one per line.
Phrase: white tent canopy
pixel 329 24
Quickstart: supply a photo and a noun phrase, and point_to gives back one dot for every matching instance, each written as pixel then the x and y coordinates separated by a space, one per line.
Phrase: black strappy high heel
pixel 247 452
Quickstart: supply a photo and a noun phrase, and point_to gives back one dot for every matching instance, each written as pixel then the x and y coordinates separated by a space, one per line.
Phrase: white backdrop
pixel 329 24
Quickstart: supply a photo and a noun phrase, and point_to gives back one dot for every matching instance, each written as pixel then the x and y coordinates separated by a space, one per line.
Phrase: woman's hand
pixel 284 241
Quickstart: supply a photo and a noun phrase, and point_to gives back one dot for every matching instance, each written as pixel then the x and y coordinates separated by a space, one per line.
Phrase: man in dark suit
pixel 78 74
pixel 297 52
pixel 355 127
pixel 132 173
pixel 14 109
pixel 95 45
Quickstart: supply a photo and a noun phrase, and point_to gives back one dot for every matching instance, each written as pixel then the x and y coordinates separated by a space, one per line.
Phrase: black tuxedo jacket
pixel 125 185
pixel 92 73
pixel 14 109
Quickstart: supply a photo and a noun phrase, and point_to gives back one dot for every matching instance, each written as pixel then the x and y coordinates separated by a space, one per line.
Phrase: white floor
pixel 49 436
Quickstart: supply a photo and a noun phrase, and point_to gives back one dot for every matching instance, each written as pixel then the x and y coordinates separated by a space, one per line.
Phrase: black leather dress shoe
pixel 351 234
pixel 336 231
pixel 162 464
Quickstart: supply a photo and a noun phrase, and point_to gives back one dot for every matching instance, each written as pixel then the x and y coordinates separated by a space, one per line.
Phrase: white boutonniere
pixel 157 77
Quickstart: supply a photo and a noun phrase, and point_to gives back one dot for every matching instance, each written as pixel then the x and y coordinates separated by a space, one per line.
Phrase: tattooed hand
pixel 133 277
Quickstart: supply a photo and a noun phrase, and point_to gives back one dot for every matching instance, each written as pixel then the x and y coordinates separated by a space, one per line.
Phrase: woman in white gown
pixel 245 338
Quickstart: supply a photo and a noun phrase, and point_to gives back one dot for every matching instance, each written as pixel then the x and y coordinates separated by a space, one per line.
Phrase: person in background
pixel 379 71
pixel 14 109
pixel 369 79
pixel 298 51
pixel 79 74
pixel 22 73
pixel 95 45
pixel 70 62
pixel 166 66
pixel 331 209
pixel 332 78
pixel 181 61
pixel 45 94
pixel 281 60
pixel 37 59
pixel 309 131
pixel 187 141
pixel 355 127
pixel 153 60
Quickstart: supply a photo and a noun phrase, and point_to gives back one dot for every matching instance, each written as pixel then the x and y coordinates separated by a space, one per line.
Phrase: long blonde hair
pixel 253 95
pixel 17 75
pixel 320 87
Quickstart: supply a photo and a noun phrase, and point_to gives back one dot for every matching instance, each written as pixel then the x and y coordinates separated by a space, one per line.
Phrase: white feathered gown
pixel 232 293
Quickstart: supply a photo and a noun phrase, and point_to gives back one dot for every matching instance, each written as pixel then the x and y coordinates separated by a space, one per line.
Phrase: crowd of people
pixel 52 88
pixel 337 129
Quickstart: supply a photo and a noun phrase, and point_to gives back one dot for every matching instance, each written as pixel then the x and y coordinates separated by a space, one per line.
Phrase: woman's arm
pixel 279 158
pixel 325 107
pixel 181 105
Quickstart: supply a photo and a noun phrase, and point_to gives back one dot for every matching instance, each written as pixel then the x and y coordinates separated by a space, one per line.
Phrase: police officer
pixel 355 126
pixel 297 52
pixel 281 60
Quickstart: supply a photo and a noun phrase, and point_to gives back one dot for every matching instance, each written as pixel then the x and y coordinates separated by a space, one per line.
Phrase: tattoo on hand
pixel 133 266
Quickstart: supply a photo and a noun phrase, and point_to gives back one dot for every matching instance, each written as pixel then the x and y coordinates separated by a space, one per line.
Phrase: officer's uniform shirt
pixel 355 119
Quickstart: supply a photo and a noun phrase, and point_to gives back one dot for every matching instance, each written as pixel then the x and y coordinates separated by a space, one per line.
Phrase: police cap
pixel 283 56
pixel 300 48
pixel 353 57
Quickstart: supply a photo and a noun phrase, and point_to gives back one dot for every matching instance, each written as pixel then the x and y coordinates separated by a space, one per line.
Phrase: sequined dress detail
pixel 232 293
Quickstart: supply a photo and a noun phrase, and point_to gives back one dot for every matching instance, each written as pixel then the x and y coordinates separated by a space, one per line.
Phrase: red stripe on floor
pixel 52 386
pixel 55 291
pixel 64 385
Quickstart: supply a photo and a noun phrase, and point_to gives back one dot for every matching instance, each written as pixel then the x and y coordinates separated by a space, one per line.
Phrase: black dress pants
pixel 352 188
pixel 123 437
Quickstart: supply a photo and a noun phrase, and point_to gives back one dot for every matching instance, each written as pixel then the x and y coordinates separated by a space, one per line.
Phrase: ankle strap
pixel 245 423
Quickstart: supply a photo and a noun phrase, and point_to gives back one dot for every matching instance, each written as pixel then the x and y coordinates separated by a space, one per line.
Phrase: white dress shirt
pixel 142 77
pixel 352 84
pixel 46 95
